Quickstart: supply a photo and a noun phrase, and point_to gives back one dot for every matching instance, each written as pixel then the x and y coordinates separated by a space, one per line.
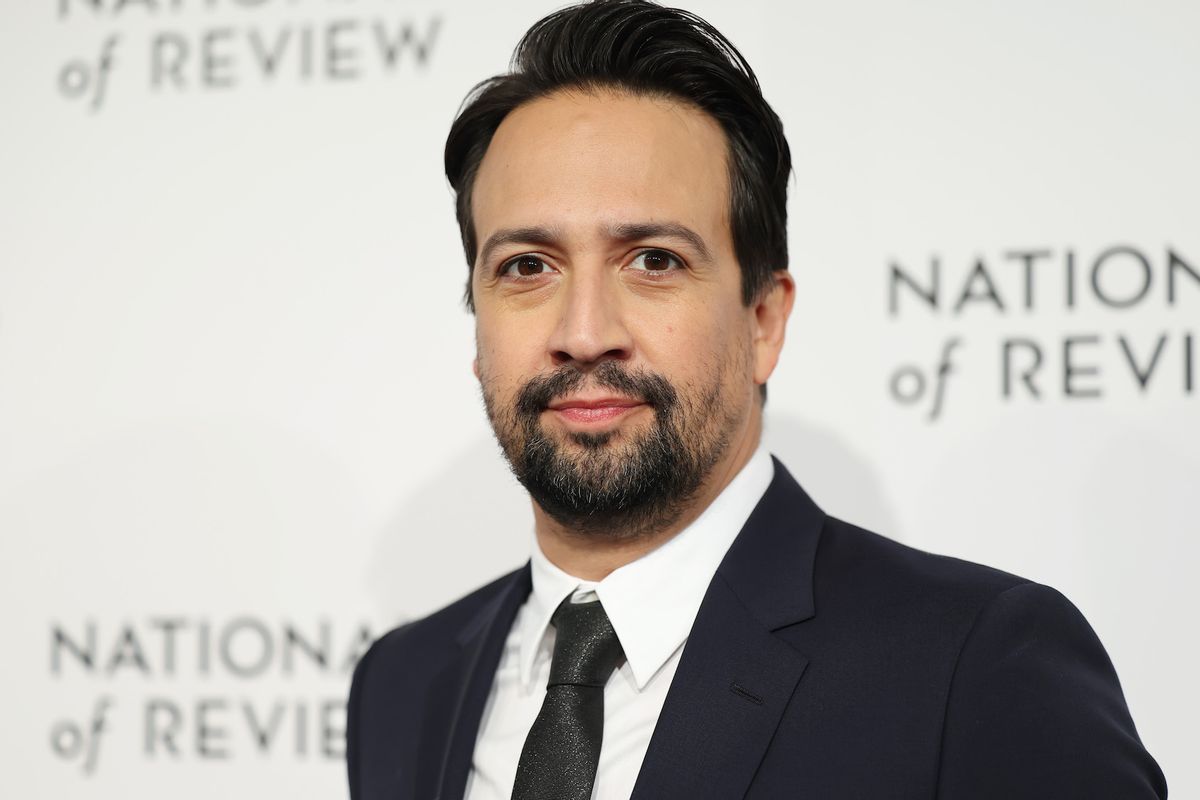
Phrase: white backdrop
pixel 238 430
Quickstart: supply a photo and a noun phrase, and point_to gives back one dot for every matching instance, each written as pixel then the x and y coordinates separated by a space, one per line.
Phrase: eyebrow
pixel 531 235
pixel 632 231
pixel 622 232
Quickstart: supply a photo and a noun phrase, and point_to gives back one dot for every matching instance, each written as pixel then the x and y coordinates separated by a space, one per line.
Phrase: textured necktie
pixel 560 755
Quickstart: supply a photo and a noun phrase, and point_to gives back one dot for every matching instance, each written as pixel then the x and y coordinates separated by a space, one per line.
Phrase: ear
pixel 771 313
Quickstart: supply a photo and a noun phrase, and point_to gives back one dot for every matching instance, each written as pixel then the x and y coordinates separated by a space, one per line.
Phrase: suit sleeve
pixel 1035 710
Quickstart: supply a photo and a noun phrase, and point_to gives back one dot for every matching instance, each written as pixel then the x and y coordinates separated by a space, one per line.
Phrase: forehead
pixel 578 159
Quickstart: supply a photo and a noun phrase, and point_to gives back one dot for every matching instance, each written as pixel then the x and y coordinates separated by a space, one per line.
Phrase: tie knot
pixel 586 648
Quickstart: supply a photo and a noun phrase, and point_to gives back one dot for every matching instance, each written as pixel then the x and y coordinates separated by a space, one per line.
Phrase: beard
pixel 619 484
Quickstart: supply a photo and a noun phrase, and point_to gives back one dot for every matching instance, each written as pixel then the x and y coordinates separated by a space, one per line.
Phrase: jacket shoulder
pixel 880 570
pixel 391 682
pixel 1015 690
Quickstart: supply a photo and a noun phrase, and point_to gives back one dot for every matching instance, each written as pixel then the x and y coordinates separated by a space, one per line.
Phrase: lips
pixel 594 403
pixel 593 410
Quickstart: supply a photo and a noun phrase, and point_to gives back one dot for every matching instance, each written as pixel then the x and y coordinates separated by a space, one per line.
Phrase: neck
pixel 592 558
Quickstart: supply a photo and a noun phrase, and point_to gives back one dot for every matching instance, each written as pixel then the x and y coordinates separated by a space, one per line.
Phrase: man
pixel 690 624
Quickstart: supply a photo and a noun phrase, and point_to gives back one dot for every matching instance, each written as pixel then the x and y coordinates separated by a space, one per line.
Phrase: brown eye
pixel 655 261
pixel 524 267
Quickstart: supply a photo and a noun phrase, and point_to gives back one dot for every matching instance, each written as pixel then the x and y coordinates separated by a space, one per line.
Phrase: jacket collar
pixel 770 564
pixel 652 601
pixel 734 679
pixel 737 675
pixel 459 692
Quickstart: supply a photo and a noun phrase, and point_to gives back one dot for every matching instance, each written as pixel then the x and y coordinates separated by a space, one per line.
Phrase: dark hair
pixel 643 48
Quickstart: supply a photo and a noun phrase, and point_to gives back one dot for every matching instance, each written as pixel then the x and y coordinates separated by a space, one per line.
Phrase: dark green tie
pixel 560 755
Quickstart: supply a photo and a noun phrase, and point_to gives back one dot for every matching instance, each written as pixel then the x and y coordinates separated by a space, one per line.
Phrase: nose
pixel 591 328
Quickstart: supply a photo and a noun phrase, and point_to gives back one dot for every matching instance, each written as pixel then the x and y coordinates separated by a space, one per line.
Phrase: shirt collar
pixel 652 601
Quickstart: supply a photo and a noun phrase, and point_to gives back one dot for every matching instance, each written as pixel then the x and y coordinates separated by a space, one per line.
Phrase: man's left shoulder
pixel 928 604
pixel 859 567
pixel 1005 673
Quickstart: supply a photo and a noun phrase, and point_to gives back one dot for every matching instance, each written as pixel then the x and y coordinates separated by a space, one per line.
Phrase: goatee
pixel 619 484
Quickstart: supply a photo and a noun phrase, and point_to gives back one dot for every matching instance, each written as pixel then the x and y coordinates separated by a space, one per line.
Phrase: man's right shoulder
pixel 419 641
pixel 392 687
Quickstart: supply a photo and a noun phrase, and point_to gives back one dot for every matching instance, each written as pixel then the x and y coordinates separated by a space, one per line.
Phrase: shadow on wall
pixel 841 481
pixel 212 512
pixel 465 525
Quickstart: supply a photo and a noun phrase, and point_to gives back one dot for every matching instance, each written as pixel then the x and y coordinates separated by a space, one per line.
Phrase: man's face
pixel 618 363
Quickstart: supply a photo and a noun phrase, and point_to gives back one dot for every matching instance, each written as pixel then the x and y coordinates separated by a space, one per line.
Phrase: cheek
pixel 505 355
pixel 695 344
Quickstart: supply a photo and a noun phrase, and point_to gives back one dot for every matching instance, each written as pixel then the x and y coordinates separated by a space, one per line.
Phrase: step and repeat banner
pixel 239 435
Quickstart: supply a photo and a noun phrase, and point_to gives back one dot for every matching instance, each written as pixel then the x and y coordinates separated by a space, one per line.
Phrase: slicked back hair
pixel 645 49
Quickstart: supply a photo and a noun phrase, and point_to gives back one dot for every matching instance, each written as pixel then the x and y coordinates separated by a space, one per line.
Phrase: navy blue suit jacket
pixel 826 662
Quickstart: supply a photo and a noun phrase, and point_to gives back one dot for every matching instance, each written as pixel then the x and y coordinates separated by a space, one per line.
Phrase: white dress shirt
pixel 652 603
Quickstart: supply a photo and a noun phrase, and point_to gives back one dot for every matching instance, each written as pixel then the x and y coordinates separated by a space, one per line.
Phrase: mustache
pixel 651 388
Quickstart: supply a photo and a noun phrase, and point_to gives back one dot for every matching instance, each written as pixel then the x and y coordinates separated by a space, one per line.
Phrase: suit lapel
pixel 455 700
pixel 736 676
